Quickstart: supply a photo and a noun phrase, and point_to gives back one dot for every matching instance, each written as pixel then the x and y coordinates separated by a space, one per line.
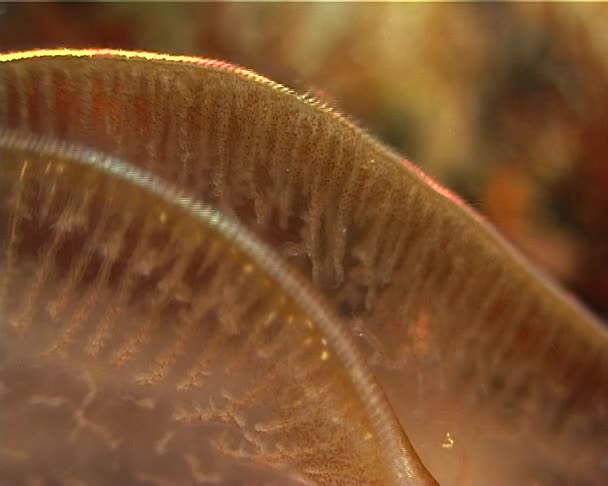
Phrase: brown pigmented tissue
pixel 495 374
pixel 145 338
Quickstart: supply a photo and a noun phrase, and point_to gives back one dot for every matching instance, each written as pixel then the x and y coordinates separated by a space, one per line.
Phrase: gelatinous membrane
pixel 497 376
pixel 145 339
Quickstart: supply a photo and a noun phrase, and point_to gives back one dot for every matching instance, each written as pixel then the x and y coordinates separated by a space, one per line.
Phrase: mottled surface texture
pixel 145 339
pixel 495 375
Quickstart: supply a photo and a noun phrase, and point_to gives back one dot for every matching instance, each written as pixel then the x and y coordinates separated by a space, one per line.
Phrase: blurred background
pixel 506 104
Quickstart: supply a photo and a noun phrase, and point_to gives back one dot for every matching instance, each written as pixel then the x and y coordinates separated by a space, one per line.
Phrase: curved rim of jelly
pixel 403 461
pixel 581 317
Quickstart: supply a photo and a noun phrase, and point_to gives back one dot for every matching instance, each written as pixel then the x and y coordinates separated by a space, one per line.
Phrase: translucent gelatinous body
pixel 497 376
pixel 146 340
